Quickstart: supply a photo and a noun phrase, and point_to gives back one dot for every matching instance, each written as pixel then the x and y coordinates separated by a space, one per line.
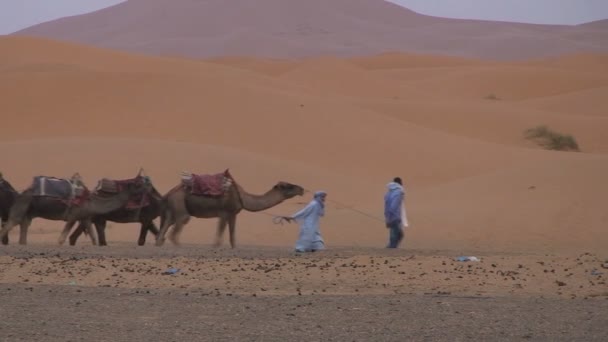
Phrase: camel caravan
pixel 134 200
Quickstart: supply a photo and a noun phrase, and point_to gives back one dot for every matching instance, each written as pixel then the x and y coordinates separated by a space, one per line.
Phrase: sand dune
pixel 343 125
pixel 584 102
pixel 313 28
pixel 593 63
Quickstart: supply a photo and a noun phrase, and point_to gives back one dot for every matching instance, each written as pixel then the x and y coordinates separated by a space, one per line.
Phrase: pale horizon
pixel 19 14
pixel 549 12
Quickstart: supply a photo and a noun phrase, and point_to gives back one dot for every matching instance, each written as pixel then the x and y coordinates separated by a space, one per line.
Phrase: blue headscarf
pixel 318 196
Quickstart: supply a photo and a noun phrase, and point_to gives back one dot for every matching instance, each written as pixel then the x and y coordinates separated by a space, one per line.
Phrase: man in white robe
pixel 310 238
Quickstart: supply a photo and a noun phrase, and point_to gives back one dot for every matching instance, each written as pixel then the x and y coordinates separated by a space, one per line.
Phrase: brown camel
pixel 29 205
pixel 181 203
pixel 145 214
pixel 7 198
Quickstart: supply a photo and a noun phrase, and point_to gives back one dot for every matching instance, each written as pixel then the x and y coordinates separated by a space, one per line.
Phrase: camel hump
pixel 207 184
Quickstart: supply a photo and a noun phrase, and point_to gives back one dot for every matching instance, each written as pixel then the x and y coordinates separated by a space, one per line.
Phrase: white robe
pixel 403 215
pixel 310 236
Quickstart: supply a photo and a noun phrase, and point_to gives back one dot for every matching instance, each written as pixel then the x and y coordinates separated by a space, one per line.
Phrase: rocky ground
pixel 122 293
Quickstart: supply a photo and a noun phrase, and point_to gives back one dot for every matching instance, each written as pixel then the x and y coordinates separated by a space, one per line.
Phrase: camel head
pixel 289 190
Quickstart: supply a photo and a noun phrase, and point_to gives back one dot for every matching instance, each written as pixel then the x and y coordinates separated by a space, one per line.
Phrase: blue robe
pixel 310 236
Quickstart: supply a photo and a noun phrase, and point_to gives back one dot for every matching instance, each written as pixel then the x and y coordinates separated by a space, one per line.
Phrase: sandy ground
pixel 110 314
pixel 341 271
pixel 268 294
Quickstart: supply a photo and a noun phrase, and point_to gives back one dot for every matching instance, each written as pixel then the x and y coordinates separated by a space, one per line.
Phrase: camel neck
pixel 101 205
pixel 254 203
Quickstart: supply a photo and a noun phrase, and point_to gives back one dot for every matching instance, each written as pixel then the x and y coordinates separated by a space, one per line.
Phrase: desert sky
pixel 19 14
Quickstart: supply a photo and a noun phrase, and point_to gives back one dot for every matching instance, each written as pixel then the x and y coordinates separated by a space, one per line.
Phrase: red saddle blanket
pixel 78 200
pixel 208 184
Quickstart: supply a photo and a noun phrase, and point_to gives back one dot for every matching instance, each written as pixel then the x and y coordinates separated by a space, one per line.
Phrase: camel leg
pixel 100 227
pixel 152 228
pixel 23 228
pixel 91 231
pixel 17 214
pixel 145 228
pixel 66 229
pixel 76 234
pixel 4 237
pixel 4 218
pixel 232 230
pixel 6 228
pixel 167 222
pixel 221 227
pixel 143 231
pixel 177 230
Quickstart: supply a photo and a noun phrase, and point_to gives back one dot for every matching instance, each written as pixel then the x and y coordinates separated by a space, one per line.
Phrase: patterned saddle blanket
pixel 213 185
pixel 114 186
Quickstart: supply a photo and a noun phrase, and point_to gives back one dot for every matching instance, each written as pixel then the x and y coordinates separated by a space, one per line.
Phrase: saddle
pixel 113 186
pixel 211 185
pixel 70 191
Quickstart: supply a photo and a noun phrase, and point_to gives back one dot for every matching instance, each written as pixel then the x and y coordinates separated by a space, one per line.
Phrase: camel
pixel 29 205
pixel 7 198
pixel 180 203
pixel 145 215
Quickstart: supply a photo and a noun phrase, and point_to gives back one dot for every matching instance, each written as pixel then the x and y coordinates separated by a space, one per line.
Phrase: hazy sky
pixel 528 11
pixel 18 14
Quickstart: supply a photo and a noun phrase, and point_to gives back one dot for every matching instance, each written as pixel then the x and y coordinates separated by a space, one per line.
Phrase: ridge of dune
pixel 597 62
pixel 42 54
pixel 293 28
pixel 584 102
pixel 512 83
pixel 270 67
pixel 400 60
pixel 596 24
pixel 389 61
pixel 340 76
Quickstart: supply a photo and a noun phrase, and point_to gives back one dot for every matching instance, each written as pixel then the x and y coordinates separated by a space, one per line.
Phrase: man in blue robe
pixel 394 212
